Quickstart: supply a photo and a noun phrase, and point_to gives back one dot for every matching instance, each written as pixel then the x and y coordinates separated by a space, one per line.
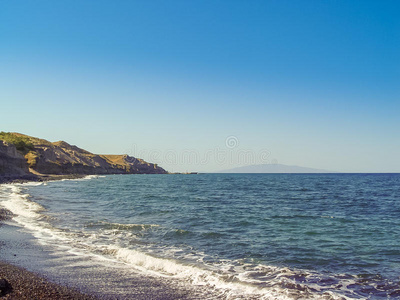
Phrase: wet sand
pixel 36 271
pixel 27 285
pixel 22 284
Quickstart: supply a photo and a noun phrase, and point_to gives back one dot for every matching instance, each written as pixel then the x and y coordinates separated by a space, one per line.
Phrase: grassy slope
pixel 22 143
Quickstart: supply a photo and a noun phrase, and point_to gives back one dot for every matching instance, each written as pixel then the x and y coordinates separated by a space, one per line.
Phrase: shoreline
pixel 24 284
pixel 24 265
pixel 4 179
pixel 10 179
pixel 33 274
pixel 19 282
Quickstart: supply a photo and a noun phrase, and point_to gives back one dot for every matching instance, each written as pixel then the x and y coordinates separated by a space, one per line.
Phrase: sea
pixel 214 236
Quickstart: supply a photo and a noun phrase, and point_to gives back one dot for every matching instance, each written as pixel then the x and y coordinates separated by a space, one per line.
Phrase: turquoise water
pixel 291 235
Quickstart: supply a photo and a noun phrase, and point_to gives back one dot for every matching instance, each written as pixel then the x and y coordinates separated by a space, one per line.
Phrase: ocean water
pixel 251 236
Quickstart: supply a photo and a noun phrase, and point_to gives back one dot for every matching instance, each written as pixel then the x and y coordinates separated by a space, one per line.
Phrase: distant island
pixel 27 157
pixel 273 168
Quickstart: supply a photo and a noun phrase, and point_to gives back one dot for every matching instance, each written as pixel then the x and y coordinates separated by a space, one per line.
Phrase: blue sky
pixel 309 83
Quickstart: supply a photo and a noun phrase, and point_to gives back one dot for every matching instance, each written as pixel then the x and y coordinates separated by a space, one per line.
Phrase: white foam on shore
pixel 232 285
pixel 192 274
pixel 27 213
pixel 87 177
pixel 21 206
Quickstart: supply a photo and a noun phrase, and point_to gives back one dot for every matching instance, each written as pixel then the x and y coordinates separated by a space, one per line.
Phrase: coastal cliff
pixel 12 162
pixel 22 155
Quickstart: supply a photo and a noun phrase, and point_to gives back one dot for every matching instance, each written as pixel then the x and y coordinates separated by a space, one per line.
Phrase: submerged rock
pixel 5 214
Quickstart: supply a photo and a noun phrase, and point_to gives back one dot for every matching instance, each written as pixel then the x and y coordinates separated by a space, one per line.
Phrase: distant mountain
pixel 273 168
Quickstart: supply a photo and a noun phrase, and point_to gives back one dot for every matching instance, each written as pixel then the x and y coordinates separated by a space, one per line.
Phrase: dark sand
pixel 27 285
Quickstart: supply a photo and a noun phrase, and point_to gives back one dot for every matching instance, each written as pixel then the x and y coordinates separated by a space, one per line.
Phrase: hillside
pixel 274 168
pixel 23 155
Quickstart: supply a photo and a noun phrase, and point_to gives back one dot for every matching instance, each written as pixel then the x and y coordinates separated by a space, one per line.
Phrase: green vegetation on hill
pixel 42 156
pixel 22 143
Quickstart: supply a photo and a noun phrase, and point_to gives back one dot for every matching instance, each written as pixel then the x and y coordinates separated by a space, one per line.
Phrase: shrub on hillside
pixel 22 143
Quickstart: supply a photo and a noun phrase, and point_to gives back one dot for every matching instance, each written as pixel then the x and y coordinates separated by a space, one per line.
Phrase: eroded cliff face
pixel 62 158
pixel 12 163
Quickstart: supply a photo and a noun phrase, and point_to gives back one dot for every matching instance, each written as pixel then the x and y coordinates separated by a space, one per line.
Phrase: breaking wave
pixel 231 279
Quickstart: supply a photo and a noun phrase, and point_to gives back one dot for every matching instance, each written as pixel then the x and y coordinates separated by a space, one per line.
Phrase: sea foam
pixel 228 281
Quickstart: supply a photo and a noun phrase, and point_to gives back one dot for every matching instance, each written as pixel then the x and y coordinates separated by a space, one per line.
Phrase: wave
pixel 87 177
pixel 119 226
pixel 231 279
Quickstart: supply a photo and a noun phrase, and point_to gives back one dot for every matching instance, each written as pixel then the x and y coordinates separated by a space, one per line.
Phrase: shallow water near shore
pixel 279 236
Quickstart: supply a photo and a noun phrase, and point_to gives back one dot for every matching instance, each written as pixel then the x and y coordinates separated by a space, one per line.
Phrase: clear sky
pixel 207 85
